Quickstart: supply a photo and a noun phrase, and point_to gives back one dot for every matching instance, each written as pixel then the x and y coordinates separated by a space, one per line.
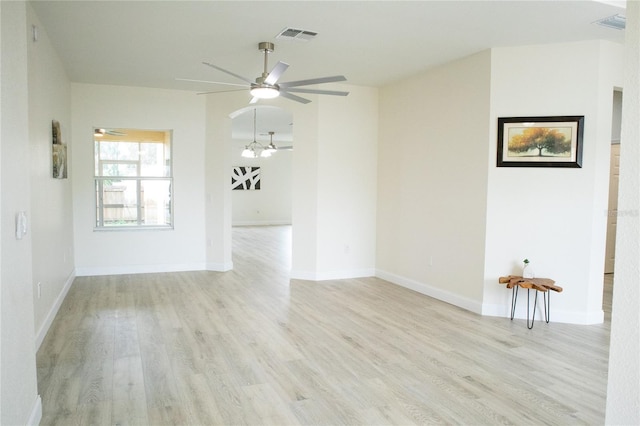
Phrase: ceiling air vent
pixel 296 34
pixel 617 22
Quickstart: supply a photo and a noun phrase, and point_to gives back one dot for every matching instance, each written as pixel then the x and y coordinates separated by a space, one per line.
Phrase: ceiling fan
pixel 267 87
pixel 273 146
pixel 101 132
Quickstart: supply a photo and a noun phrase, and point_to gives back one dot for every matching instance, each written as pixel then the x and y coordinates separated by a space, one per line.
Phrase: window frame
pixel 99 222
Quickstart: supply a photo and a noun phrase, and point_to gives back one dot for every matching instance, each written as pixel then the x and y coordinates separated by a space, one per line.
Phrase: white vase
pixel 527 271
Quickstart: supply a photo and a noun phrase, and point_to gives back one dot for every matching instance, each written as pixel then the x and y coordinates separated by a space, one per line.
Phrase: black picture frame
pixel 245 178
pixel 557 139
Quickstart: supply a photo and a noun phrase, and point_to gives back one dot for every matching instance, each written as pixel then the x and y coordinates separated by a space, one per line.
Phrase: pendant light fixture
pixel 271 147
pixel 255 149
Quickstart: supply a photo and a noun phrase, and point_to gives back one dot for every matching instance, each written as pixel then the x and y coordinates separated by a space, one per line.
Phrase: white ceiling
pixel 372 43
pixel 268 119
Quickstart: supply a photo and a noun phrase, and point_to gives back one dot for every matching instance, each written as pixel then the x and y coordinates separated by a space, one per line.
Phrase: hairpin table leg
pixel 547 306
pixel 533 316
pixel 514 299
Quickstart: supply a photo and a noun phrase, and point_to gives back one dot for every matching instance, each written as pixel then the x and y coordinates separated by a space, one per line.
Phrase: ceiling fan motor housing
pixel 266 46
pixel 260 82
pixel 272 89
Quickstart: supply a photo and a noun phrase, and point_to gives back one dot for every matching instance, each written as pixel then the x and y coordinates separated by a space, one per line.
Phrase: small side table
pixel 545 285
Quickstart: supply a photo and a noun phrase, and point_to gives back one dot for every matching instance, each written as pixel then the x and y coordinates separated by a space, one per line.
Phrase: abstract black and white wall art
pixel 245 178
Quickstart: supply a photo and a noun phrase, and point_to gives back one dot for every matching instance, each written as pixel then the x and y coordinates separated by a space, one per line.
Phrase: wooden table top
pixel 540 284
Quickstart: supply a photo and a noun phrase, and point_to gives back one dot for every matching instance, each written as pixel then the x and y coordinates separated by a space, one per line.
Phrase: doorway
pixel 262 206
pixel 267 198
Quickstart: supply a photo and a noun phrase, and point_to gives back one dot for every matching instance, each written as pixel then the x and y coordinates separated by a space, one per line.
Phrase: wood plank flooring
pixel 252 347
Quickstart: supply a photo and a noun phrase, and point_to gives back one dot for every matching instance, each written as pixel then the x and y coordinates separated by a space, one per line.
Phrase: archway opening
pixel 262 196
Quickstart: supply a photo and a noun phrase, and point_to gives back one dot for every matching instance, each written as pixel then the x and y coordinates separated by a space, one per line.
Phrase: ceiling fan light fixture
pixel 265 153
pixel 248 152
pixel 271 148
pixel 264 92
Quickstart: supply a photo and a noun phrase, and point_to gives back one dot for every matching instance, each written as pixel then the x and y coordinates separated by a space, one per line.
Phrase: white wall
pixel 347 181
pixel 217 185
pixel 129 251
pixel 555 217
pixel 623 390
pixel 19 400
pixel 271 205
pixel 304 258
pixel 334 180
pixel 432 181
pixel 51 205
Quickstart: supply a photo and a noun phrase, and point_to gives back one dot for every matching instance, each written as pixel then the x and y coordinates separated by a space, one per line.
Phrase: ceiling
pixel 372 43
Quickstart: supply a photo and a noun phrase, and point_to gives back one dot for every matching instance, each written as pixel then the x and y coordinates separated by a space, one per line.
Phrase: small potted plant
pixel 527 271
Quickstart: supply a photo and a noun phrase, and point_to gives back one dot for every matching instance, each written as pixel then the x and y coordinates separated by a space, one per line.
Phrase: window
pixel 133 178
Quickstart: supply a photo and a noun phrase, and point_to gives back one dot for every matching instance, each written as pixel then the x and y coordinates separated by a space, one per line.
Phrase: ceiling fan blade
pixel 294 97
pixel 313 81
pixel 276 72
pixel 285 148
pixel 211 82
pixel 229 72
pixel 220 91
pixel 110 132
pixel 318 92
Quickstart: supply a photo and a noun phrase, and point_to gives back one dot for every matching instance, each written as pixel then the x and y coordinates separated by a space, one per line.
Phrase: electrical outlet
pixel 39 289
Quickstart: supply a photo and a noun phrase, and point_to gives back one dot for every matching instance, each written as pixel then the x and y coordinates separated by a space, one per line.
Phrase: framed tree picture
pixel 540 141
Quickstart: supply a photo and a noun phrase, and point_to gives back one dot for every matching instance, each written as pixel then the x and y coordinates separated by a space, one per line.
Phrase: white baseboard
pixel 36 413
pixel 435 292
pixel 556 315
pixel 137 269
pixel 584 318
pixel 219 267
pixel 261 222
pixel 331 275
pixel 44 328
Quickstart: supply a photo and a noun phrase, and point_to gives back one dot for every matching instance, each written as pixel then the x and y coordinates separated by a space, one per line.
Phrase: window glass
pixel 120 150
pixel 119 169
pixel 133 178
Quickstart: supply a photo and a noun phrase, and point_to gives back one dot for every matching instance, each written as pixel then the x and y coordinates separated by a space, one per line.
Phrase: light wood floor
pixel 250 346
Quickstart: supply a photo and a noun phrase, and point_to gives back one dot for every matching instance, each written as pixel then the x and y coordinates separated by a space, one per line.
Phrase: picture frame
pixel 245 178
pixel 58 152
pixel 554 141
